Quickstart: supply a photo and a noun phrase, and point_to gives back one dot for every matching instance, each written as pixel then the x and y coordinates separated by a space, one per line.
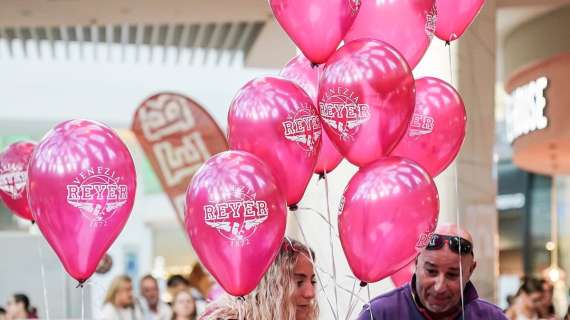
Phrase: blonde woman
pixel 120 302
pixel 183 306
pixel 286 292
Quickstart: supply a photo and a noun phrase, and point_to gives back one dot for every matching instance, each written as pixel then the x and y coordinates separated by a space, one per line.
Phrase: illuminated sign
pixel 525 109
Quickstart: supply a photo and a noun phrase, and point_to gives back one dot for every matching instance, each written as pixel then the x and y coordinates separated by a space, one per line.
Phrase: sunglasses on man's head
pixel 455 244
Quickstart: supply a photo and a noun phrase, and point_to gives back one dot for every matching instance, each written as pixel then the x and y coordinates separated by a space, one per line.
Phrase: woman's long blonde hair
pixel 114 287
pixel 272 299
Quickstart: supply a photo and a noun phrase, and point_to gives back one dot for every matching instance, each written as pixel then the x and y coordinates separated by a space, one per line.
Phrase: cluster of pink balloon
pixel 78 184
pixel 359 102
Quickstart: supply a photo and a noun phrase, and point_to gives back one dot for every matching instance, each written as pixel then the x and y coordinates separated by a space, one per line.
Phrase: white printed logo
pixel 426 236
pixel 354 6
pixel 424 239
pixel 421 124
pixel 341 205
pixel 341 111
pixel 13 178
pixel 97 193
pixel 431 21
pixel 236 219
pixel 304 128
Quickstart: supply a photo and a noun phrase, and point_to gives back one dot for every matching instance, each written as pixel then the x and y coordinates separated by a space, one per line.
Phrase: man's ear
pixel 473 266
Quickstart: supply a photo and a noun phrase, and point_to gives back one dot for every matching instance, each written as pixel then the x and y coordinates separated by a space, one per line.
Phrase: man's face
pixel 438 278
pixel 149 290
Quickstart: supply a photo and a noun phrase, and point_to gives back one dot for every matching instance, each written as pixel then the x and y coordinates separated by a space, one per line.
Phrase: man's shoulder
pixel 393 295
pixel 486 310
pixel 389 305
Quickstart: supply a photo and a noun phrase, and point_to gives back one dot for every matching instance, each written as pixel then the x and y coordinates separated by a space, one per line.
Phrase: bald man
pixel 435 289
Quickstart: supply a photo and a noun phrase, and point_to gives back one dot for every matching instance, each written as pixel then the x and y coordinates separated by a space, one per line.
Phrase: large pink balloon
pixel 404 275
pixel 300 71
pixel 366 99
pixel 235 217
pixel 316 26
pixel 82 185
pixel 275 119
pixel 454 16
pixel 437 129
pixel 14 177
pixel 407 25
pixel 387 215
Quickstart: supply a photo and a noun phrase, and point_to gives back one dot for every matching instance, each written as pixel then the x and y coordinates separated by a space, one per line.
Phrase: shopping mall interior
pixel 100 60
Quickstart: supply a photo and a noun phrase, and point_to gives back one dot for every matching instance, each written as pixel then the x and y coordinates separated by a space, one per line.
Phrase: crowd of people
pixel 440 289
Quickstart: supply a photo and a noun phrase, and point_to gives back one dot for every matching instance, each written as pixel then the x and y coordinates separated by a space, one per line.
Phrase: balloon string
pixel 82 302
pixel 331 227
pixel 241 308
pixel 312 260
pixel 331 242
pixel 350 301
pixel 43 274
pixel 352 307
pixel 97 292
pixel 456 178
pixel 370 303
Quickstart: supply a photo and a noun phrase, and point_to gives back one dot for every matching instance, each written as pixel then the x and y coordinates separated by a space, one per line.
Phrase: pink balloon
pixel 82 185
pixel 387 215
pixel 316 26
pixel 329 157
pixel 404 275
pixel 14 162
pixel 299 70
pixel 366 99
pixel 407 25
pixel 275 119
pixel 454 16
pixel 235 217
pixel 437 129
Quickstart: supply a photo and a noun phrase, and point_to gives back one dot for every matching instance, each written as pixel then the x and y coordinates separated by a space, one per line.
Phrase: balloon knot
pixel 314 65
pixel 241 298
pixel 321 176
pixel 363 284
pixel 293 207
pixel 33 222
pixel 447 43
pixel 80 284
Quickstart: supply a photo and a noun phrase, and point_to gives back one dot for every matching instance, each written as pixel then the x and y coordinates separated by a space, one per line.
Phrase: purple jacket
pixel 399 304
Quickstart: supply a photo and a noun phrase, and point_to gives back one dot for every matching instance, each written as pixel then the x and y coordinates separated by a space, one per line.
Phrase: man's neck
pixel 452 313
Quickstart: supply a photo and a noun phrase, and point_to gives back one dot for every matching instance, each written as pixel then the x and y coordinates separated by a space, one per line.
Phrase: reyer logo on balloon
pixel 236 219
pixel 421 124
pixel 354 6
pixel 304 128
pixel 340 110
pixel 97 193
pixel 13 178
pixel 431 21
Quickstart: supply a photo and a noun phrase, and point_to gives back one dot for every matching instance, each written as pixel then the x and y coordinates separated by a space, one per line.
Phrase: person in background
pixel 546 307
pixel 200 286
pixel 183 306
pixel 286 291
pixel 151 305
pixel 119 301
pixel 2 314
pixel 175 284
pixel 440 287
pixel 19 307
pixel 527 300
